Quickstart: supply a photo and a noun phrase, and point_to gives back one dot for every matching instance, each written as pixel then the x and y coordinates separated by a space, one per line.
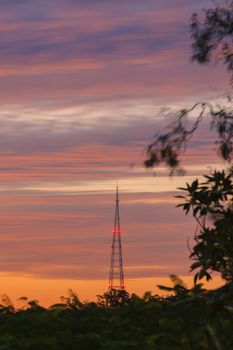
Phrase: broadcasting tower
pixel 116 275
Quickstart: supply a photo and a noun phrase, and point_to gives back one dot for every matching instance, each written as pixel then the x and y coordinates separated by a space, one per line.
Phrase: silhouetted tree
pixel 211 201
pixel 6 305
pixel 212 35
pixel 180 289
pixel 212 39
pixel 168 146
pixel 211 204
pixel 113 298
pixel 72 301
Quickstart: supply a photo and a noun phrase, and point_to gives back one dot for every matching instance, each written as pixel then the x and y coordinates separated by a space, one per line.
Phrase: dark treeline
pixel 191 319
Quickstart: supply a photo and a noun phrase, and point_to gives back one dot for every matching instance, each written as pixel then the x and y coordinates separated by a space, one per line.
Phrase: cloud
pixel 98 50
pixel 82 84
pixel 70 237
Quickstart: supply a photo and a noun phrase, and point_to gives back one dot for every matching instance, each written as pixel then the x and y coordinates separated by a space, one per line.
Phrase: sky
pixel 84 87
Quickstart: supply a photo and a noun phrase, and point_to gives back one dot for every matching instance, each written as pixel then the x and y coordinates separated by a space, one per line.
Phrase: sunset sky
pixel 83 83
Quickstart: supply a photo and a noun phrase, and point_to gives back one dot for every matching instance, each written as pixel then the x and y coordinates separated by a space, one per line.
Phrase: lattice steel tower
pixel 116 275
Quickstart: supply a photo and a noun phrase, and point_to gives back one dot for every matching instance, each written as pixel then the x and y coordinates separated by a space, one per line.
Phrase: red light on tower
pixel 116 275
pixel 116 231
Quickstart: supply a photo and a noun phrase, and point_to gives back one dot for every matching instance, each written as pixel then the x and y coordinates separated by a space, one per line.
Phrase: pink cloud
pixel 82 85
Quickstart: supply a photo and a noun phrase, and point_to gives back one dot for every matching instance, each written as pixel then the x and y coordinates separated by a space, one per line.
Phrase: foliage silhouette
pixel 211 204
pixel 180 290
pixel 183 320
pixel 212 35
pixel 114 298
pixel 212 39
pixel 170 145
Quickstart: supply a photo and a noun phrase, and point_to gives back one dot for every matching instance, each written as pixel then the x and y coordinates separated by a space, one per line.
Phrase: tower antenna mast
pixel 116 275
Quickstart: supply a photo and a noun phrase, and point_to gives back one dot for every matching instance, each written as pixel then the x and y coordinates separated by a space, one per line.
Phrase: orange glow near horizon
pixel 49 291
